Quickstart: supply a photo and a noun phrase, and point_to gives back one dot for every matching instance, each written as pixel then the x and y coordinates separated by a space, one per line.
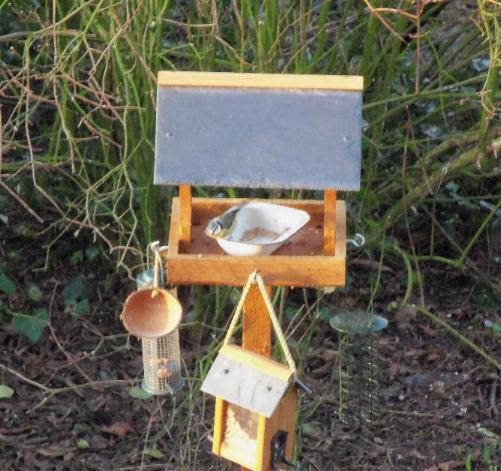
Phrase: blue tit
pixel 222 226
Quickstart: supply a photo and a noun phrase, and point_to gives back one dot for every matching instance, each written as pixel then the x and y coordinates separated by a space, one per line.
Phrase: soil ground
pixel 72 409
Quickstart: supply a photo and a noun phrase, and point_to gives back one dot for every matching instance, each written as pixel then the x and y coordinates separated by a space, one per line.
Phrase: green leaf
pixel 453 188
pixel 77 308
pixel 91 252
pixel 138 392
pixel 83 444
pixel 34 293
pixel 487 433
pixel 155 453
pixel 494 326
pixel 325 314
pixel 6 284
pixel 81 427
pixel 31 326
pixel 486 300
pixel 311 430
pixel 77 257
pixel 78 287
pixel 6 392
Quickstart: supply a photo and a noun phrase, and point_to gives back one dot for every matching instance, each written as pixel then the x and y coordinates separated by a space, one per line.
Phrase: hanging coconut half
pixel 151 313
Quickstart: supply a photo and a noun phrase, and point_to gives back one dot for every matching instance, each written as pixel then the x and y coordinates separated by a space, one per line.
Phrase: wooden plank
pixel 256 335
pixel 265 428
pixel 283 420
pixel 219 423
pixel 185 215
pixel 292 271
pixel 340 229
pixel 286 419
pixel 174 231
pixel 350 83
pixel 329 222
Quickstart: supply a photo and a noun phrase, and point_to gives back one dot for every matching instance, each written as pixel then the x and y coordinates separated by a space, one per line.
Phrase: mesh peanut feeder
pixel 154 314
pixel 358 366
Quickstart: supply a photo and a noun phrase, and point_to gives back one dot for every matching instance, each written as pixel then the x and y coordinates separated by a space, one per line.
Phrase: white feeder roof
pixel 241 383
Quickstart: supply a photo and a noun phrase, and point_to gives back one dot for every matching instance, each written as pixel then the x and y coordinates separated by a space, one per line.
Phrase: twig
pixel 406 210
pixel 457 334
pixel 439 176
pixel 1 143
pixel 383 21
pixel 492 398
pixel 25 379
pixel 14 195
pixel 51 392
pixel 66 354
pixel 411 413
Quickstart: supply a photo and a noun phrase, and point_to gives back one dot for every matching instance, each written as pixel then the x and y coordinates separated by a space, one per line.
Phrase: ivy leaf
pixel 31 326
pixel 34 293
pixel 83 444
pixel 77 257
pixel 155 453
pixel 77 308
pixel 91 252
pixel 6 284
pixel 325 314
pixel 78 288
pixel 6 392
pixel 139 393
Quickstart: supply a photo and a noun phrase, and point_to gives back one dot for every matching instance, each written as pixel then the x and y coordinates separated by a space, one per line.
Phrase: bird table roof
pixel 258 130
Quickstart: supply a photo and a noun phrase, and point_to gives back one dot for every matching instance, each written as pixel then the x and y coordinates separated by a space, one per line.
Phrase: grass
pixel 78 88
pixel 77 119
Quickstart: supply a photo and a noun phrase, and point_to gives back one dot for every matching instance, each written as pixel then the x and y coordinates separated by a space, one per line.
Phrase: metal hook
pixel 358 241
pixel 156 247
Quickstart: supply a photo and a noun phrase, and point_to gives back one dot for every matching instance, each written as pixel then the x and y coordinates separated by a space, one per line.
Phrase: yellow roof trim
pixel 349 83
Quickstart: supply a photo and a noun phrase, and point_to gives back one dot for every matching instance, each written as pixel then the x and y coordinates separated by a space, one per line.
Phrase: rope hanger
pixel 256 278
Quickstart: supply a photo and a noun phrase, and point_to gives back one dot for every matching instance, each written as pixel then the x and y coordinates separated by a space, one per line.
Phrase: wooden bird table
pixel 258 131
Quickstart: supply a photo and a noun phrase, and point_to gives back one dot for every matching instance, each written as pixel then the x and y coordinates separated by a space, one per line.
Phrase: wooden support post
pixel 257 323
pixel 185 214
pixel 256 335
pixel 329 222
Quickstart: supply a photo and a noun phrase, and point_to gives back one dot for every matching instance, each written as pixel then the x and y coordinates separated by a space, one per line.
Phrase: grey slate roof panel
pixel 266 138
pixel 244 386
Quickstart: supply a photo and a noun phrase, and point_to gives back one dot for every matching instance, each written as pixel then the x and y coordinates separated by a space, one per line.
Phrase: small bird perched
pixel 222 226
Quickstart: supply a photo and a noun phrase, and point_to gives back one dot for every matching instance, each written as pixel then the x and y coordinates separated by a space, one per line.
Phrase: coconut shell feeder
pixel 153 314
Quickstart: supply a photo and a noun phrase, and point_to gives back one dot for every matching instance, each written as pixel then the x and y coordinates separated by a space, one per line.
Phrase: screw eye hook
pixel 358 241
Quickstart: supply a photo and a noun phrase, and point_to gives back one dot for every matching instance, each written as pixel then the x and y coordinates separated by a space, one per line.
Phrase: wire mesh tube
pixel 358 379
pixel 358 372
pixel 161 362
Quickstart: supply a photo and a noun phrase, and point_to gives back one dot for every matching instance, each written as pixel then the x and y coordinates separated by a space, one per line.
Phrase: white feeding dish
pixel 261 228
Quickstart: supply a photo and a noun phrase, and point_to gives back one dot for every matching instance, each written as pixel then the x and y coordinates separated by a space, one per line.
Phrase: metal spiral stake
pixel 358 366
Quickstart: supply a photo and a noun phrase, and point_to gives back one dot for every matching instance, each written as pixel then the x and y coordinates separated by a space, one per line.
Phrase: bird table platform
pixel 258 131
pixel 268 131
